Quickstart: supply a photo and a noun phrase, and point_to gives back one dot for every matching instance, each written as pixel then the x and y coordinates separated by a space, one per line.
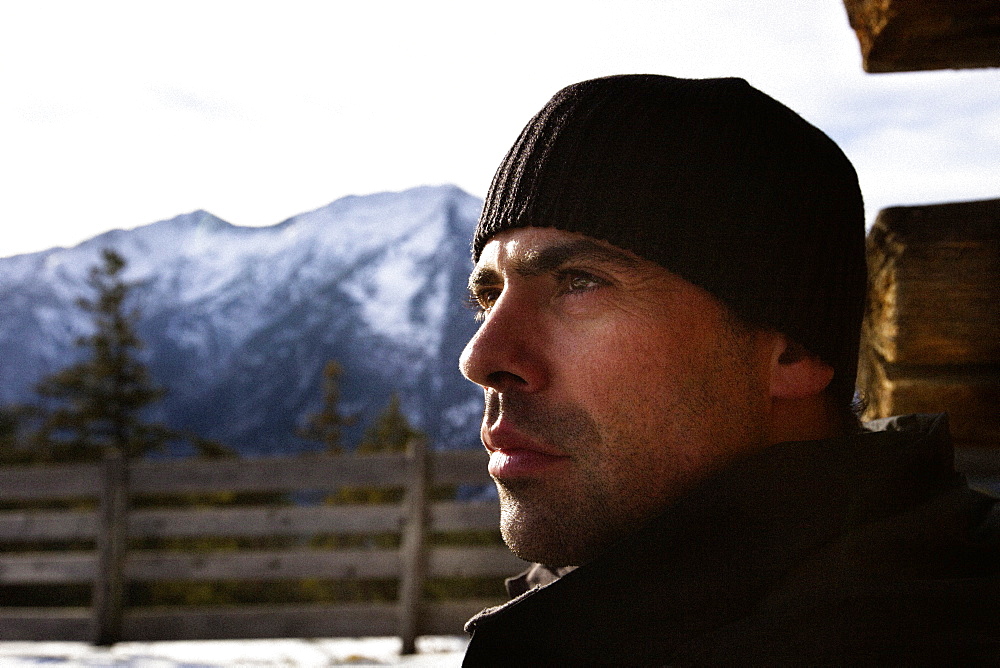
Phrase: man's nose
pixel 507 353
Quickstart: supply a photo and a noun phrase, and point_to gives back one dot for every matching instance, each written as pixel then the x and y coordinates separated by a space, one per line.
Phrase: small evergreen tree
pixel 98 402
pixel 326 425
pixel 391 430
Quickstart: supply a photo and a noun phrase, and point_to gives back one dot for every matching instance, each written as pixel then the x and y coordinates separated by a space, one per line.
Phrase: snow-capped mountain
pixel 239 322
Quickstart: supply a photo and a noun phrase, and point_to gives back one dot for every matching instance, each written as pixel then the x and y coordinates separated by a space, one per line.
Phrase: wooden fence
pixel 111 564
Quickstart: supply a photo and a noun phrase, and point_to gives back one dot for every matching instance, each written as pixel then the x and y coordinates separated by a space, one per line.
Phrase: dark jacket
pixel 852 551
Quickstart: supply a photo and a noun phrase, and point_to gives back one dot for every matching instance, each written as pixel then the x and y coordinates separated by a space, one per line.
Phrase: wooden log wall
pixel 107 569
pixel 910 35
pixel 931 337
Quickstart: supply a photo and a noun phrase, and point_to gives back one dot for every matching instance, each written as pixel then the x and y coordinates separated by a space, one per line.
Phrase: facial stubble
pixel 618 480
pixel 564 520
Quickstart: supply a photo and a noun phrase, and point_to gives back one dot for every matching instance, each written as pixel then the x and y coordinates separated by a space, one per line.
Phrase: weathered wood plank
pixel 953 221
pixel 33 526
pixel 930 339
pixel 149 566
pixel 45 624
pixel 191 623
pixel 273 474
pixel 276 474
pixel 64 481
pixel 460 467
pixel 112 546
pixel 295 473
pixel 262 565
pixel 474 562
pixel 48 567
pixel 30 526
pixel 311 563
pixel 292 621
pixel 266 521
pixel 412 547
pixel 970 399
pixel 935 284
pixel 465 515
pixel 909 35
pixel 143 566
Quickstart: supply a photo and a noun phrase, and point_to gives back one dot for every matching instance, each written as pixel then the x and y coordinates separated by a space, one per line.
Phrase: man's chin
pixel 541 553
pixel 536 533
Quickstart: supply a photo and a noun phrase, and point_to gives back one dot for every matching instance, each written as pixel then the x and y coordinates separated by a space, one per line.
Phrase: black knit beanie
pixel 715 181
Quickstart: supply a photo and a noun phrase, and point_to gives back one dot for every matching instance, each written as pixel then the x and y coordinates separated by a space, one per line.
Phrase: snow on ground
pixel 444 651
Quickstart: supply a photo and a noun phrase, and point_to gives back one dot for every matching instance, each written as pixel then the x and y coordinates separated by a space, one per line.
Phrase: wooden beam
pixel 935 284
pixel 970 398
pixel 930 338
pixel 911 35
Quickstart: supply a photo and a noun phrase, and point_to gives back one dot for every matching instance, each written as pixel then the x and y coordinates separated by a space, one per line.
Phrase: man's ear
pixel 795 372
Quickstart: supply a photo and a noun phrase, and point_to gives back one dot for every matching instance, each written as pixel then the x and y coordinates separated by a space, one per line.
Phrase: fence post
pixel 112 539
pixel 412 557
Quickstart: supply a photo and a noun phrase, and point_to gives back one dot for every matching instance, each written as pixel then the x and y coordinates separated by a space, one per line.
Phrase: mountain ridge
pixel 239 321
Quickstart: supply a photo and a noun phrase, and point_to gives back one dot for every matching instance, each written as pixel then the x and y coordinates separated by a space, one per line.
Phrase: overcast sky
pixel 122 114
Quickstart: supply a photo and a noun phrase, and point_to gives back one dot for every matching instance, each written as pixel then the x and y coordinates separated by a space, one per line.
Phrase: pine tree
pixel 391 430
pixel 96 405
pixel 326 425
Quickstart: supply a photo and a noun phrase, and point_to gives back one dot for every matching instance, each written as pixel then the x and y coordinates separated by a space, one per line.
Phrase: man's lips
pixel 514 455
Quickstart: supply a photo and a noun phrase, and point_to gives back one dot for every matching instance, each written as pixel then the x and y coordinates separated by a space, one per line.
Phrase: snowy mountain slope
pixel 239 322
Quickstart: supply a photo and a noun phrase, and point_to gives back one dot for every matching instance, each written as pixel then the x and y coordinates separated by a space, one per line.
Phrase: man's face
pixel 611 386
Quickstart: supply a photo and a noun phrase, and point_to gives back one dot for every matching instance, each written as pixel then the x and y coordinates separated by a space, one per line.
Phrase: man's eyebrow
pixel 552 257
pixel 481 276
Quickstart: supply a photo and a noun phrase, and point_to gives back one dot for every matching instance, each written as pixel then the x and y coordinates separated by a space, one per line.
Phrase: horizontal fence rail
pixel 225 623
pixel 293 564
pixel 91 544
pixel 272 474
pixel 32 526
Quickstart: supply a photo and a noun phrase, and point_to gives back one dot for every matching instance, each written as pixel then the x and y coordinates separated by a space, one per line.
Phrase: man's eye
pixel 577 281
pixel 482 300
